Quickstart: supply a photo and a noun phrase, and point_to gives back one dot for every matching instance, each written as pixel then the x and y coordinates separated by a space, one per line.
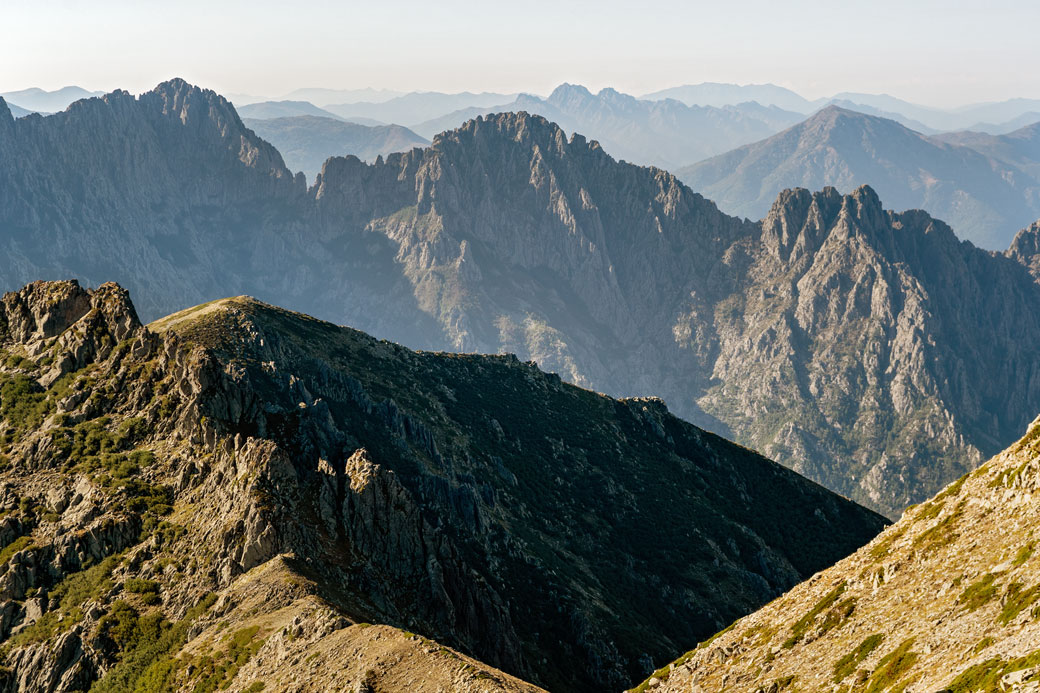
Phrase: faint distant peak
pixel 569 91
pixel 42 101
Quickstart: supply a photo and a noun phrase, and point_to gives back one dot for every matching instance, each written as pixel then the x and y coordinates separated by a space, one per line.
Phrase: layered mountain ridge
pixel 308 141
pixel 665 133
pixel 834 336
pixel 204 501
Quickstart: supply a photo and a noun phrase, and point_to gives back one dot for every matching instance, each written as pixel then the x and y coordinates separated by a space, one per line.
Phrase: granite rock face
pixel 839 338
pixel 155 477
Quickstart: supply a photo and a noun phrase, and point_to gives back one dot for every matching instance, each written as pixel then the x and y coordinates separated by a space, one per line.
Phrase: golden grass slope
pixel 947 599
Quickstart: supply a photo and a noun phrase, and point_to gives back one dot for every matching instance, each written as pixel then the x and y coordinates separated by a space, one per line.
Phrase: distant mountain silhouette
pixel 41 101
pixel 986 200
pixel 1019 148
pixel 306 142
pixel 17 111
pixel 663 133
pixel 323 96
pixel 717 94
pixel 264 110
pixel 417 107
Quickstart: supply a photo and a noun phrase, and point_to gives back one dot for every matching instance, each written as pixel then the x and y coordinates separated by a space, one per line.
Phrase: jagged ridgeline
pixel 868 350
pixel 947 599
pixel 227 497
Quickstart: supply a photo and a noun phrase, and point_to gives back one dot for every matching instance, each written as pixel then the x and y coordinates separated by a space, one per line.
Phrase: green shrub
pixel 72 593
pixel 978 593
pixel 216 671
pixel 1026 551
pixel 121 625
pixel 23 403
pixel 847 664
pixel 892 667
pixel 1017 600
pixel 19 544
pixel 140 586
pixel 149 666
pixel 801 626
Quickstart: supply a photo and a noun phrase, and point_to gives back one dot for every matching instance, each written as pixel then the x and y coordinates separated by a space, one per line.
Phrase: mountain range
pixel 236 492
pixel 720 94
pixel 556 475
pixel 996 117
pixel 324 96
pixel 306 142
pixel 986 190
pixel 872 351
pixel 664 133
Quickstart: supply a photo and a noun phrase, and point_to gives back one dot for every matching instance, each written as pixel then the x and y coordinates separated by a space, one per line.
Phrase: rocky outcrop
pixel 472 499
pixel 1025 248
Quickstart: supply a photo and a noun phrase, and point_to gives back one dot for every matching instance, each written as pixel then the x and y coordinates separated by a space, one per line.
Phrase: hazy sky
pixel 939 52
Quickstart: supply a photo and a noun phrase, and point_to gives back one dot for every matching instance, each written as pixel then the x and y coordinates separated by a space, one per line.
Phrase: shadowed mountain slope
pixel 241 450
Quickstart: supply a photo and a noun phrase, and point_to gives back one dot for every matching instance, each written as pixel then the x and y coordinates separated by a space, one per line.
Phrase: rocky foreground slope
pixel 869 350
pixel 227 497
pixel 947 599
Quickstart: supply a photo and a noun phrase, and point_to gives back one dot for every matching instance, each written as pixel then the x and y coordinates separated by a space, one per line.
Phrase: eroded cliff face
pixel 157 477
pixel 895 350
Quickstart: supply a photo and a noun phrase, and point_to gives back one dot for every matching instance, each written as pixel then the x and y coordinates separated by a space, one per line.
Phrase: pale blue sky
pixel 942 53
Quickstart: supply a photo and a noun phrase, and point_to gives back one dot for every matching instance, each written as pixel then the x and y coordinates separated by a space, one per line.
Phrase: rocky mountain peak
pixel 1025 248
pixel 569 93
pixel 800 220
pixel 864 205
pixel 181 99
pixel 613 96
pixel 520 126
pixel 834 115
pixel 43 310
